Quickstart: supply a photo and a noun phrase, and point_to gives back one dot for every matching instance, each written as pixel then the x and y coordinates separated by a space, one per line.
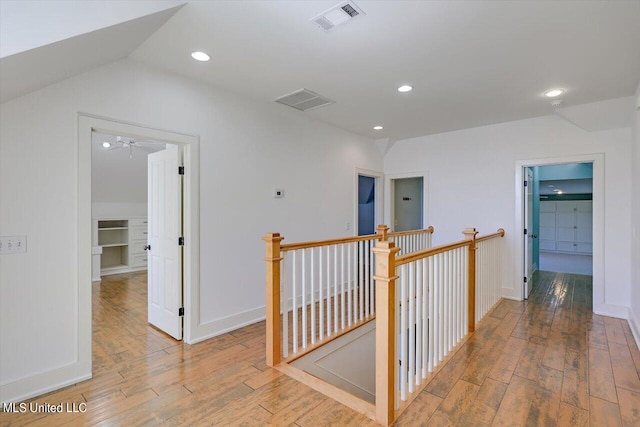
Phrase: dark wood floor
pixel 548 361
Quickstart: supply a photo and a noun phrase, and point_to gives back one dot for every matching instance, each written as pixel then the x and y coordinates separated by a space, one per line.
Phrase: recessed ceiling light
pixel 405 88
pixel 106 144
pixel 553 93
pixel 378 127
pixel 551 185
pixel 559 191
pixel 200 56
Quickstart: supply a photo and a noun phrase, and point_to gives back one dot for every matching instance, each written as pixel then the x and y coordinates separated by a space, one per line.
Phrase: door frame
pixel 597 159
pixel 378 204
pixel 190 148
pixel 389 214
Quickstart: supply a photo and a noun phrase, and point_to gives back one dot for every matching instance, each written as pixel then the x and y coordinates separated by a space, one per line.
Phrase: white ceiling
pixel 471 63
pixel 116 177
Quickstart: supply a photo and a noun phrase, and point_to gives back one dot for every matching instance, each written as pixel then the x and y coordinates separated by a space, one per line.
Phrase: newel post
pixel 385 256
pixel 382 232
pixel 470 234
pixel 272 260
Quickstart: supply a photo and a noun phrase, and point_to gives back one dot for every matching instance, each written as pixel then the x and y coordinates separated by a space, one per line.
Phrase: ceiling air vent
pixel 337 15
pixel 304 100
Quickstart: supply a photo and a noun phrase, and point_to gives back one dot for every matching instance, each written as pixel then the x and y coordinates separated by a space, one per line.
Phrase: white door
pixel 165 252
pixel 528 238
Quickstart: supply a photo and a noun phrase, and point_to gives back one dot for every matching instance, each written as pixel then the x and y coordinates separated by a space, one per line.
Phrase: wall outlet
pixel 278 193
pixel 347 225
pixel 13 244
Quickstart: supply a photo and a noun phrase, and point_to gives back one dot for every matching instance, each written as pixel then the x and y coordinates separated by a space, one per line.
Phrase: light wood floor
pixel 548 361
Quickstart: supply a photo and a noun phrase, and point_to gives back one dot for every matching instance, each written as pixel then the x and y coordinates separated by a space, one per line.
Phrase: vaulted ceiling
pixel 470 63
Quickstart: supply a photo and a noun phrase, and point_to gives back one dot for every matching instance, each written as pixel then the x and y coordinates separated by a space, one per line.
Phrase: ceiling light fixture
pixel 378 127
pixel 106 144
pixel 553 93
pixel 405 88
pixel 200 56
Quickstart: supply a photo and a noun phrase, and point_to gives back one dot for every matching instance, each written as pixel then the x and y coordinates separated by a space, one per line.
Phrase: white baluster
pixel 335 288
pixel 403 332
pixel 431 314
pixel 321 290
pixel 285 307
pixel 342 271
pixel 328 291
pixel 304 299
pixel 412 321
pixel 361 281
pixel 295 304
pixel 312 297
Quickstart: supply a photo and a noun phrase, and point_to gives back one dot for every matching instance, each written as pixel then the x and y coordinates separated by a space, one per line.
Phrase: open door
pixel 164 241
pixel 528 232
pixel 407 203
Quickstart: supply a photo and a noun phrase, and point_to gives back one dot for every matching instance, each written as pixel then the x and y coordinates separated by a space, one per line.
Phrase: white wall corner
pixel 611 310
pixel 384 145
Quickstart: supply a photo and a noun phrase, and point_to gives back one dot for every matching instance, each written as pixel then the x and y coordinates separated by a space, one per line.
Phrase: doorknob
pixel 534 236
pixel 147 247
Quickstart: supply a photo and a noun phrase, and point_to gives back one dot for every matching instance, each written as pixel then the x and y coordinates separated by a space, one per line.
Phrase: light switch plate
pixel 13 244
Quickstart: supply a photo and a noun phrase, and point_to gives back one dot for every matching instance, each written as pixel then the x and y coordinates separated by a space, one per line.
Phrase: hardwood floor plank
pixel 529 362
pixel 455 405
pixel 624 371
pixel 420 411
pixel 506 364
pixel 575 385
pixel 484 407
pixel 601 382
pixel 331 413
pixel 514 408
pixel 570 416
pixel 554 353
pixel 603 413
pixel 629 407
pixel 614 330
pixel 546 403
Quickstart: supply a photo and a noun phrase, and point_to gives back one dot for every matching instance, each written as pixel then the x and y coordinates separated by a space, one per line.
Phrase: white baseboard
pixel 508 293
pixel 44 382
pixel 226 324
pixel 610 310
pixel 635 327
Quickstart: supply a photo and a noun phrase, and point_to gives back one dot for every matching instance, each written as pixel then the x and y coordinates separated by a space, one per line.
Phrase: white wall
pixel 472 184
pixel 634 312
pixel 246 148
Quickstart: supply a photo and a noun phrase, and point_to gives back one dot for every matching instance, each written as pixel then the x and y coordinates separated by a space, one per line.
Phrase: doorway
pixel 562 219
pixel 407 207
pixel 368 203
pixel 188 204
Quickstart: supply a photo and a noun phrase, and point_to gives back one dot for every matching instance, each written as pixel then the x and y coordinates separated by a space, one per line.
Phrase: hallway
pixel 548 361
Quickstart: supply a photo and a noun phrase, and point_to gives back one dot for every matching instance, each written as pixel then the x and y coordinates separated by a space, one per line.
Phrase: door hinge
pixel 180 241
pixel 525 231
pixel 181 311
pixel 525 280
pixel 526 183
pixel 180 170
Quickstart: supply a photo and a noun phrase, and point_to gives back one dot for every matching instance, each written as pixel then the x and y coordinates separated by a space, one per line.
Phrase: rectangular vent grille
pixel 349 10
pixel 303 100
pixel 339 14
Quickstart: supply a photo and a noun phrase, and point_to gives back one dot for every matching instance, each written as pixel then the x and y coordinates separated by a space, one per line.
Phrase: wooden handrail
pixel 380 235
pixel 405 259
pixel 328 242
pixel 499 233
pixel 429 229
